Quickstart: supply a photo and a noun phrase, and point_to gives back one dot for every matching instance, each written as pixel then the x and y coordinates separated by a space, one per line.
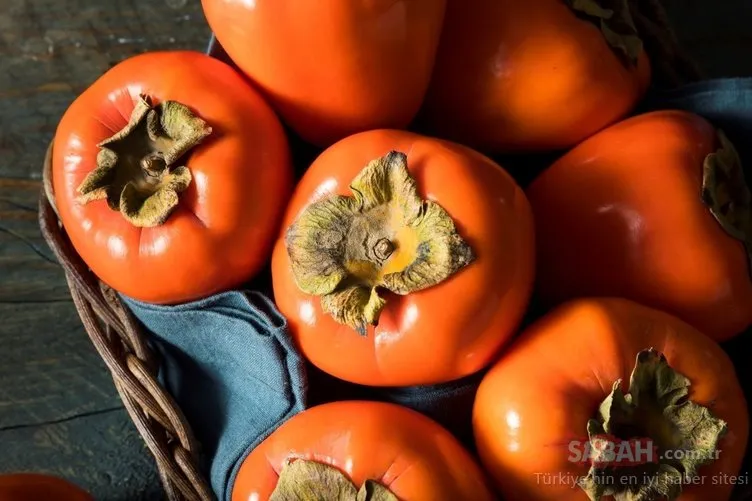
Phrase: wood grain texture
pixel 28 271
pixel 101 452
pixel 49 370
pixel 59 412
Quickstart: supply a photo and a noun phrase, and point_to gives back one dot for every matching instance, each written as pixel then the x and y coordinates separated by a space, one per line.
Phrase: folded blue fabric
pixel 230 364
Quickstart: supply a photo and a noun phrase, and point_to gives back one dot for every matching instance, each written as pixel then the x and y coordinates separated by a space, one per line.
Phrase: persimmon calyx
pixel 385 236
pixel 615 21
pixel 649 441
pixel 303 480
pixel 727 195
pixel 136 169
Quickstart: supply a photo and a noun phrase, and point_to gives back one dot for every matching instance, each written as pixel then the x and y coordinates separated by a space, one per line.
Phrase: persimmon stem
pixel 136 172
pixel 385 236
pixel 153 164
pixel 615 21
pixel 655 413
pixel 726 194
pixel 301 479
pixel 384 248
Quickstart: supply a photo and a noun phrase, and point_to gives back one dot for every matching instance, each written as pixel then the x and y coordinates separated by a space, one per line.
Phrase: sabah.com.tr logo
pixel 606 450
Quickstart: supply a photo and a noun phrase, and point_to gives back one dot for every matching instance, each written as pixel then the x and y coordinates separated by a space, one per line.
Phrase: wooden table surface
pixel 59 412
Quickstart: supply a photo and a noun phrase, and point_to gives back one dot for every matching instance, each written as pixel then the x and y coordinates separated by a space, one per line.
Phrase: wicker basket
pixel 125 348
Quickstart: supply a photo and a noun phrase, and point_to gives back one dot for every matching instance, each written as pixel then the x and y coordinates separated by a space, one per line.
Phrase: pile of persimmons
pixel 405 255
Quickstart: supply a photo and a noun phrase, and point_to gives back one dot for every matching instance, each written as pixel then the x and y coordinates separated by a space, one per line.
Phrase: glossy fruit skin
pixel 222 232
pixel 332 68
pixel 38 487
pixel 568 361
pixel 621 215
pixel 441 333
pixel 502 85
pixel 407 452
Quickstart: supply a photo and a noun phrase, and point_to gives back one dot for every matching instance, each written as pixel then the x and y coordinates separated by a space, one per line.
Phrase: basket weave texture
pixel 124 345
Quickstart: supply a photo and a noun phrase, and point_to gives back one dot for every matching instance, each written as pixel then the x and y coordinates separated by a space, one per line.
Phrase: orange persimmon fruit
pixel 518 76
pixel 332 68
pixel 602 396
pixel 334 450
pixel 169 189
pixel 403 260
pixel 653 209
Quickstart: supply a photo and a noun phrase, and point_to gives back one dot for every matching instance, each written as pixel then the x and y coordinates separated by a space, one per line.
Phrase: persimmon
pixel 617 397
pixel 403 260
pixel 332 68
pixel 369 450
pixel 39 487
pixel 653 209
pixel 516 76
pixel 168 189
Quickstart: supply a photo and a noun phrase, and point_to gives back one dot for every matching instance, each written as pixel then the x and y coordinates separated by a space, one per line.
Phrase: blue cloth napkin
pixel 230 364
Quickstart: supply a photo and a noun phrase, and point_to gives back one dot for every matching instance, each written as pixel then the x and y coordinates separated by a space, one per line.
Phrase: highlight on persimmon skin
pixel 359 66
pixel 201 177
pixel 544 401
pixel 528 76
pixel 463 209
pixel 359 442
pixel 640 211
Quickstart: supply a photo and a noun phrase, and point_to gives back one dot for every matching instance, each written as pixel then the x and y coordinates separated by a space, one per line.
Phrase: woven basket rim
pixel 133 364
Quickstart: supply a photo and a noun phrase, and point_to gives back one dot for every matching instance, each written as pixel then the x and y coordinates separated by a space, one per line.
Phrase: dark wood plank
pixel 59 412
pixel 28 271
pixel 48 367
pixel 100 452
pixel 50 50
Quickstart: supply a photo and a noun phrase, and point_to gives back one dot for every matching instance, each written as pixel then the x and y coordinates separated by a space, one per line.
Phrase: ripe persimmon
pixel 531 75
pixel 169 189
pixel 605 396
pixel 332 68
pixel 403 260
pixel 384 451
pixel 653 209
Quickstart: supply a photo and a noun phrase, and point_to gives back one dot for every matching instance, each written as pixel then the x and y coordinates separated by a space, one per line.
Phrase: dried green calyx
pixel 727 195
pixel 302 480
pixel 136 171
pixel 615 21
pixel 345 249
pixel 651 440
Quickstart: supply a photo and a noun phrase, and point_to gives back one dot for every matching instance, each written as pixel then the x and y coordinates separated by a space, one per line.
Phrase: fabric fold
pixel 230 364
